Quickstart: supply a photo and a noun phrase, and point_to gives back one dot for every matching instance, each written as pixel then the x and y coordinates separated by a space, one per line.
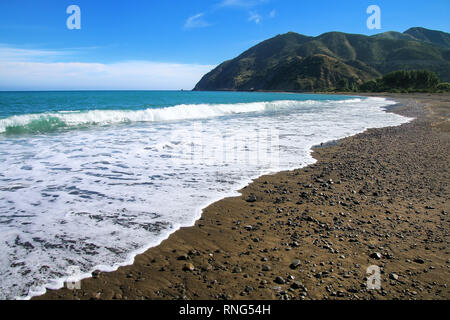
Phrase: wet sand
pixel 378 198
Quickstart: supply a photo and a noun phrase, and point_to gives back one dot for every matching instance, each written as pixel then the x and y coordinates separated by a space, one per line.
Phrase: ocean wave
pixel 49 122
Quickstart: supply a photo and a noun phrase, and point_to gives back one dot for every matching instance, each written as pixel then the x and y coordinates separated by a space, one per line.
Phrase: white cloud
pixel 255 17
pixel 24 69
pixel 130 75
pixel 241 3
pixel 196 21
pixel 273 13
pixel 8 53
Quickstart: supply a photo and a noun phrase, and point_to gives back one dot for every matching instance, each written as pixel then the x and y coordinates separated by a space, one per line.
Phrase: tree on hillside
pixel 404 80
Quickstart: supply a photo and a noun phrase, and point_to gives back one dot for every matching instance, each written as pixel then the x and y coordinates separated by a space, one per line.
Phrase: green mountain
pixel 294 62
pixel 438 38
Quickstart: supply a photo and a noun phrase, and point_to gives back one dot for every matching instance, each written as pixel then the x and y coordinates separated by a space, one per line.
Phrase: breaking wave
pixel 50 122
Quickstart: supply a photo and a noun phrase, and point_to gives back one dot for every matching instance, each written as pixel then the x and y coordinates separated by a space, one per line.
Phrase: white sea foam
pixel 95 198
pixel 178 112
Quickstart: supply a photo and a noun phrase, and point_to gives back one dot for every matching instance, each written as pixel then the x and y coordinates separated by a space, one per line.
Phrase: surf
pixel 54 121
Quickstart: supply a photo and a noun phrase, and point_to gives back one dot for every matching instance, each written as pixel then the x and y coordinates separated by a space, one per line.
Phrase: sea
pixel 90 179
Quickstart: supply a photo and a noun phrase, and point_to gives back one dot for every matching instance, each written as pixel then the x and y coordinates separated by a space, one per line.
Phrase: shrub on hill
pixel 404 81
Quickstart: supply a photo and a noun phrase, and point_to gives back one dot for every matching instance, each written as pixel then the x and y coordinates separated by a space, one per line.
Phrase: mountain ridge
pixel 296 62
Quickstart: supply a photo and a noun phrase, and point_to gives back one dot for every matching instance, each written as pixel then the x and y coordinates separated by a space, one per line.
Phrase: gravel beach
pixel 380 198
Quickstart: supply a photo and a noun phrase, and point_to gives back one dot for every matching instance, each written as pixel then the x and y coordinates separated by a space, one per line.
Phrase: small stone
pixel 376 255
pixel 266 268
pixel 297 285
pixel 419 260
pixel 295 264
pixel 393 276
pixel 251 198
pixel 280 280
pixel 96 274
pixel 188 267
pixel 193 252
pixel 237 269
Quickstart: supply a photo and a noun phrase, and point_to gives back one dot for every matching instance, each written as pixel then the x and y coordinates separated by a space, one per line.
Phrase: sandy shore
pixel 377 198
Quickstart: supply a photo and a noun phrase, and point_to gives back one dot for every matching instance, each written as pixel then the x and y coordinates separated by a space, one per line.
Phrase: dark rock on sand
pixel 376 255
pixel 280 280
pixel 295 264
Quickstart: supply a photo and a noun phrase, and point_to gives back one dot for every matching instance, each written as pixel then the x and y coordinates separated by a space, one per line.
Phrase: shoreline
pixel 235 193
pixel 158 272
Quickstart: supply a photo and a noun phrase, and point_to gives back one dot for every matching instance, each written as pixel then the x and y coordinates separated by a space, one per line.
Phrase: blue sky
pixel 150 44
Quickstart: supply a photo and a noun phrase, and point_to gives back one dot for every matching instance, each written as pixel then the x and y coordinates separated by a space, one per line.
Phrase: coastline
pixel 234 261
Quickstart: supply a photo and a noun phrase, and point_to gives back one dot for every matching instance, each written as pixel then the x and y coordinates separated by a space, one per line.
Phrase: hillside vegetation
pixel 404 81
pixel 294 62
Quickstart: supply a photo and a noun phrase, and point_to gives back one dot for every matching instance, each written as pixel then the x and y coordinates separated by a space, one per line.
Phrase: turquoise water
pixel 19 103
pixel 40 112
pixel 90 179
